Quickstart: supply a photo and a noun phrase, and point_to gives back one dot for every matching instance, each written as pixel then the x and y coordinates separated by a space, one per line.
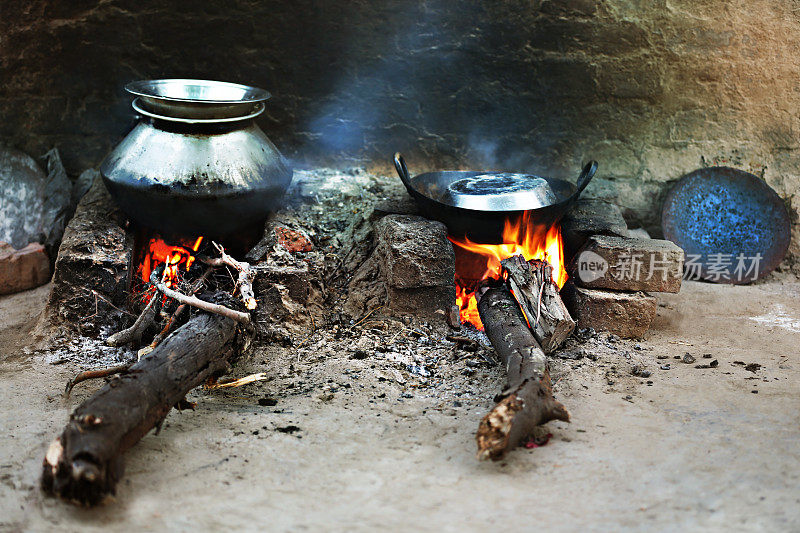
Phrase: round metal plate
pixel 203 91
pixel 491 191
pixel 732 226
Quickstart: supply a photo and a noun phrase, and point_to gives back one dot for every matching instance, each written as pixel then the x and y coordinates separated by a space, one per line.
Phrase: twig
pixel 179 311
pixel 246 275
pixel 366 317
pixel 197 302
pixel 95 374
pixel 106 300
pixel 134 333
pixel 252 378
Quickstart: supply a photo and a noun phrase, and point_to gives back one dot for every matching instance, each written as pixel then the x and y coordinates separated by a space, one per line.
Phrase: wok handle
pixel 586 176
pixel 583 180
pixel 402 171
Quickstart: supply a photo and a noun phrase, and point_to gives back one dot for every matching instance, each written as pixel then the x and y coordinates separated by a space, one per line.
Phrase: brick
pixel 626 314
pixel 23 269
pixel 93 258
pixel 624 263
pixel 410 271
pixel 590 216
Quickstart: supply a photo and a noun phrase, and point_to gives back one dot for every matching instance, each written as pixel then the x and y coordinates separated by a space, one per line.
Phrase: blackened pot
pixel 196 163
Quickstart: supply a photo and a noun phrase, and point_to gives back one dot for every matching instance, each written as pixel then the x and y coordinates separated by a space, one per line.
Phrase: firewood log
pixel 527 399
pixel 539 298
pixel 84 464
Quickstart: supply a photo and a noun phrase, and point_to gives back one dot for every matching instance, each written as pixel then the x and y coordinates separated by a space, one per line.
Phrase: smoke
pixel 425 87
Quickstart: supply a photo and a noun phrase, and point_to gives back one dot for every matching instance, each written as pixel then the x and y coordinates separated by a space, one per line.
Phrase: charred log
pixel 539 298
pixel 84 464
pixel 527 400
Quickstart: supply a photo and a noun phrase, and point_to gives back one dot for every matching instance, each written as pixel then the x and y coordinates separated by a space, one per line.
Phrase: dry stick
pixel 84 464
pixel 95 374
pixel 527 400
pixel 216 309
pixel 180 310
pixel 135 332
pixel 246 275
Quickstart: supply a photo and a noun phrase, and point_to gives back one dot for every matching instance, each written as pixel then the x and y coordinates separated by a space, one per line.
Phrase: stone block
pixel 626 314
pixel 590 216
pixel 22 185
pixel 416 251
pixel 23 269
pixel 411 269
pixel 91 272
pixel 628 264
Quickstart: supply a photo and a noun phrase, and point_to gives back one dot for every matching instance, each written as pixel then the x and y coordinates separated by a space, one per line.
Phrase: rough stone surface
pixel 90 277
pixel 652 90
pixel 22 185
pixel 628 264
pixel 22 269
pixel 626 314
pixel 590 216
pixel 411 270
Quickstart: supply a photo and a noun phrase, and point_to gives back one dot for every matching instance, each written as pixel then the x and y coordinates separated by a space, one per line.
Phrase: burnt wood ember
pixel 527 399
pixel 84 464
pixel 533 287
pixel 134 333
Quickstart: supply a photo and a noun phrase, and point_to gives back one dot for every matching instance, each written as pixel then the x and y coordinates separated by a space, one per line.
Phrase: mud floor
pixel 373 438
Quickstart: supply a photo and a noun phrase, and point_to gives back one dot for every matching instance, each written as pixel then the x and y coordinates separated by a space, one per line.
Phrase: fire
pixel 521 236
pixel 176 257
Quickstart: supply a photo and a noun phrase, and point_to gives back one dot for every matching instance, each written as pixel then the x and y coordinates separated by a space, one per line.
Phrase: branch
pixel 135 332
pixel 246 274
pixel 216 309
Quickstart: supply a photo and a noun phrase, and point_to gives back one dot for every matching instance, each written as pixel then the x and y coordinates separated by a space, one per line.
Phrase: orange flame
pixel 521 236
pixel 176 257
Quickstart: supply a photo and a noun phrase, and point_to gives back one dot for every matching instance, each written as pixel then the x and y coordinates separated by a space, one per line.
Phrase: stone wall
pixel 652 89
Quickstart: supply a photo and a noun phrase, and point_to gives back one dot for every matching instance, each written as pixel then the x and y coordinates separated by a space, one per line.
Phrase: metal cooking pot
pixel 476 204
pixel 196 163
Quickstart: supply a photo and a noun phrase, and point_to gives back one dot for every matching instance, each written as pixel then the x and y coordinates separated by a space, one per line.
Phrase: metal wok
pixel 476 204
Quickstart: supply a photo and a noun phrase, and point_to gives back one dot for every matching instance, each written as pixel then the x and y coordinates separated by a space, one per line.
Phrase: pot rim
pixel 139 108
pixel 197 91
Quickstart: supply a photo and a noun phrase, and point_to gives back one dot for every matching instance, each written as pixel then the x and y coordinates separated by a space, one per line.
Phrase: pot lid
pixel 197 101
pixel 197 91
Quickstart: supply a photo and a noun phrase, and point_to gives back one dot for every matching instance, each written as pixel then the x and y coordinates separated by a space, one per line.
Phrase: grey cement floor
pixel 697 450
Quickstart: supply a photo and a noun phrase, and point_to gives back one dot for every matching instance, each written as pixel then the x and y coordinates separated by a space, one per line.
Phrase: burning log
pixel 84 464
pixel 527 400
pixel 537 294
